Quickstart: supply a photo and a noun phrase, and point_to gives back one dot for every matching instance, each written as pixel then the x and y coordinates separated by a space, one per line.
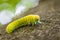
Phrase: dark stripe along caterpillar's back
pixel 30 19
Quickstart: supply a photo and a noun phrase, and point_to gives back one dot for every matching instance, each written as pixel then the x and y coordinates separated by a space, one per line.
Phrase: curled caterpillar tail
pixel 27 20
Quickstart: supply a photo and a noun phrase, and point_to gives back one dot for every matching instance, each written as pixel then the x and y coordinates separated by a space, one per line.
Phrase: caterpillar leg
pixel 37 23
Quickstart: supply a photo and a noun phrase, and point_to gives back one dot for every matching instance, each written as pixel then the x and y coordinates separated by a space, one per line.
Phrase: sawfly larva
pixel 27 20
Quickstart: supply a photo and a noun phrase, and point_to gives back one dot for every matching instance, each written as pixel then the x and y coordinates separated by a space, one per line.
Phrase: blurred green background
pixel 8 4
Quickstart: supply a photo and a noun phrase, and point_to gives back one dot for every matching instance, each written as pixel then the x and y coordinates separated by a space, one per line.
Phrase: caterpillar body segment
pixel 27 20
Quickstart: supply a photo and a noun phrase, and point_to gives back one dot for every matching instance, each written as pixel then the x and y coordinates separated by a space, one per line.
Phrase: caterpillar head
pixel 37 19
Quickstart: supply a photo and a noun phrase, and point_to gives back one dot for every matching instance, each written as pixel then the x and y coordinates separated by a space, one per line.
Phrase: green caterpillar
pixel 27 20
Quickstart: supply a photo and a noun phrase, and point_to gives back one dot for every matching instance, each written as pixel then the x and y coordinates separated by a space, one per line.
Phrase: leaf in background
pixel 8 4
